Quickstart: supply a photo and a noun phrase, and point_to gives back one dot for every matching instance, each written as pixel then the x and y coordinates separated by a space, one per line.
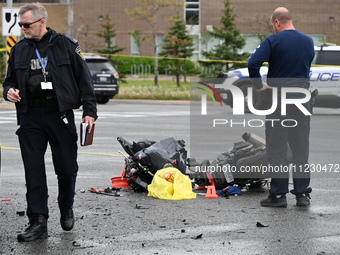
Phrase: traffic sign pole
pixel 11 41
pixel 10 19
pixel 10 28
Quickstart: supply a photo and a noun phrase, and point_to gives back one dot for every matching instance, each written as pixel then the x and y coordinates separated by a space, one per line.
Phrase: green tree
pixel 148 11
pixel 178 44
pixel 231 41
pixel 108 33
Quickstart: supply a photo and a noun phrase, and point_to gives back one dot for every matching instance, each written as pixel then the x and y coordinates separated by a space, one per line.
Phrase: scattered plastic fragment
pixel 75 244
pixel 21 213
pixel 260 225
pixel 107 191
pixel 140 207
pixel 197 237
pixel 6 199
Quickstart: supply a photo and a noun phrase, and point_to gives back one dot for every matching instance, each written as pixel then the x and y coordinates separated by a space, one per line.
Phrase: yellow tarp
pixel 169 183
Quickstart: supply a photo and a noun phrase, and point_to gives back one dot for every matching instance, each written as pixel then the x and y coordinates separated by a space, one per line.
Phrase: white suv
pixel 324 76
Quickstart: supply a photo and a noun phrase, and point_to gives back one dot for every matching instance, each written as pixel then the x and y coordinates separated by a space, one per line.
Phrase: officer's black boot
pixel 37 229
pixel 67 219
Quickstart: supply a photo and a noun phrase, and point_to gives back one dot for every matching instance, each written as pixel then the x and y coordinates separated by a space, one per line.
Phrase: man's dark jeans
pixel 279 138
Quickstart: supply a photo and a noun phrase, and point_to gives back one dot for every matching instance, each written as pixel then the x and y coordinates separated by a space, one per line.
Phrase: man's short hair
pixel 37 9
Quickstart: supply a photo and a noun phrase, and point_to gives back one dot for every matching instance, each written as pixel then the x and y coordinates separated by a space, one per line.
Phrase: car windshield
pixel 99 65
pixel 330 58
pixel 315 57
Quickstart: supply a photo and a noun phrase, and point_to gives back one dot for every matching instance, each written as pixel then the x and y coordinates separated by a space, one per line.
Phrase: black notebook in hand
pixel 86 138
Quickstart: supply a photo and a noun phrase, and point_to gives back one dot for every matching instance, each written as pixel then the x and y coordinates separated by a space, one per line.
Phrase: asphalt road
pixel 134 223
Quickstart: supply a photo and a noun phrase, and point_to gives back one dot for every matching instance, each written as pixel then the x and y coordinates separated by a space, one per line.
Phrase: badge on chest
pixel 46 85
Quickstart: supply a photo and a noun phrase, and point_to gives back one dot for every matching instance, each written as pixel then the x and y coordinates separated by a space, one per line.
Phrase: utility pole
pixel 70 16
pixel 10 27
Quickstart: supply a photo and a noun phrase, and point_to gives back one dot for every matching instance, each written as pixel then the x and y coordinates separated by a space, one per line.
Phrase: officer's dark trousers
pixel 38 128
pixel 278 136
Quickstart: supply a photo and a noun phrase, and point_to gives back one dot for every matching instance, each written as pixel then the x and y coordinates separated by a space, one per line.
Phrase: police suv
pixel 324 76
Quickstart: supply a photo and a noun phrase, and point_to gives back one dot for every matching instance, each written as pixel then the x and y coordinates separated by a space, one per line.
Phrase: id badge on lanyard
pixel 45 85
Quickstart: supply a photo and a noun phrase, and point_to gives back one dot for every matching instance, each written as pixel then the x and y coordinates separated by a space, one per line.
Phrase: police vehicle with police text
pixel 324 76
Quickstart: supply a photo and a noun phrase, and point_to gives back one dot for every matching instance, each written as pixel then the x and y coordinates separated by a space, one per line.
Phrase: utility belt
pixel 50 103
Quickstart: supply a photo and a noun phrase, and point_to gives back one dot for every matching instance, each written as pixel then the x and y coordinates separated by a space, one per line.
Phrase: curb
pixel 6 105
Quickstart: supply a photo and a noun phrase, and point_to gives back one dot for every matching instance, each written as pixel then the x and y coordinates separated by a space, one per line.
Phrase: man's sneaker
pixel 37 229
pixel 273 201
pixel 66 219
pixel 302 200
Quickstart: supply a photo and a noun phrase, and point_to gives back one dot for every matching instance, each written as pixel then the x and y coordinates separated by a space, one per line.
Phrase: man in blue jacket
pixel 47 78
pixel 289 54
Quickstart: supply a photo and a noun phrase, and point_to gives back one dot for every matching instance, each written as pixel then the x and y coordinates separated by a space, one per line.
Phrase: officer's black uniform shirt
pixel 35 73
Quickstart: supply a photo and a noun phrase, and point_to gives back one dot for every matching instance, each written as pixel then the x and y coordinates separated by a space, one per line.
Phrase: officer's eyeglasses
pixel 27 25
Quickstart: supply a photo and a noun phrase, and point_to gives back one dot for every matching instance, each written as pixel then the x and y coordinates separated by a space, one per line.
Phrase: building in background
pixel 82 20
pixel 321 20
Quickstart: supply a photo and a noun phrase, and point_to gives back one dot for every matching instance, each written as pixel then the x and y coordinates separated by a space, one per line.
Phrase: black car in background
pixel 105 77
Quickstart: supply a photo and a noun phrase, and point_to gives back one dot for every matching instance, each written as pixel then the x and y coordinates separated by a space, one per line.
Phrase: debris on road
pixel 260 225
pixel 197 237
pixel 107 191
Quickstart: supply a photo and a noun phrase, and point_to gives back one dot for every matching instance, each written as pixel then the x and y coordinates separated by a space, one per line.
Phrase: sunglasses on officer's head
pixel 27 25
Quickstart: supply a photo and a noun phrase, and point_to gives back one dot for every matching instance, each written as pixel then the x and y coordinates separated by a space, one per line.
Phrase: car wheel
pixel 103 99
pixel 257 98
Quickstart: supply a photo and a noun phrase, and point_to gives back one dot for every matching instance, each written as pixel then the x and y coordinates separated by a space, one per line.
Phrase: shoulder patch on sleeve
pixel 74 40
pixel 79 52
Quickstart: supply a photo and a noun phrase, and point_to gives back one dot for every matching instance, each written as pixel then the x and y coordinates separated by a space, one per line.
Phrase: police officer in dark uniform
pixel 47 77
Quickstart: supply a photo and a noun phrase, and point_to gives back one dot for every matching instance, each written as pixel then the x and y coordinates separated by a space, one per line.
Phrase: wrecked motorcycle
pixel 240 165
pixel 146 157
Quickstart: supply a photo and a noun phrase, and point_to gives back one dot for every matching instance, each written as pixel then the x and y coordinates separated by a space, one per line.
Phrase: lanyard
pixel 43 62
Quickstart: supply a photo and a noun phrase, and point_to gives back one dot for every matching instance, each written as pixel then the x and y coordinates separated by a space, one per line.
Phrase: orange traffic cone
pixel 117 182
pixel 211 192
pixel 120 181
